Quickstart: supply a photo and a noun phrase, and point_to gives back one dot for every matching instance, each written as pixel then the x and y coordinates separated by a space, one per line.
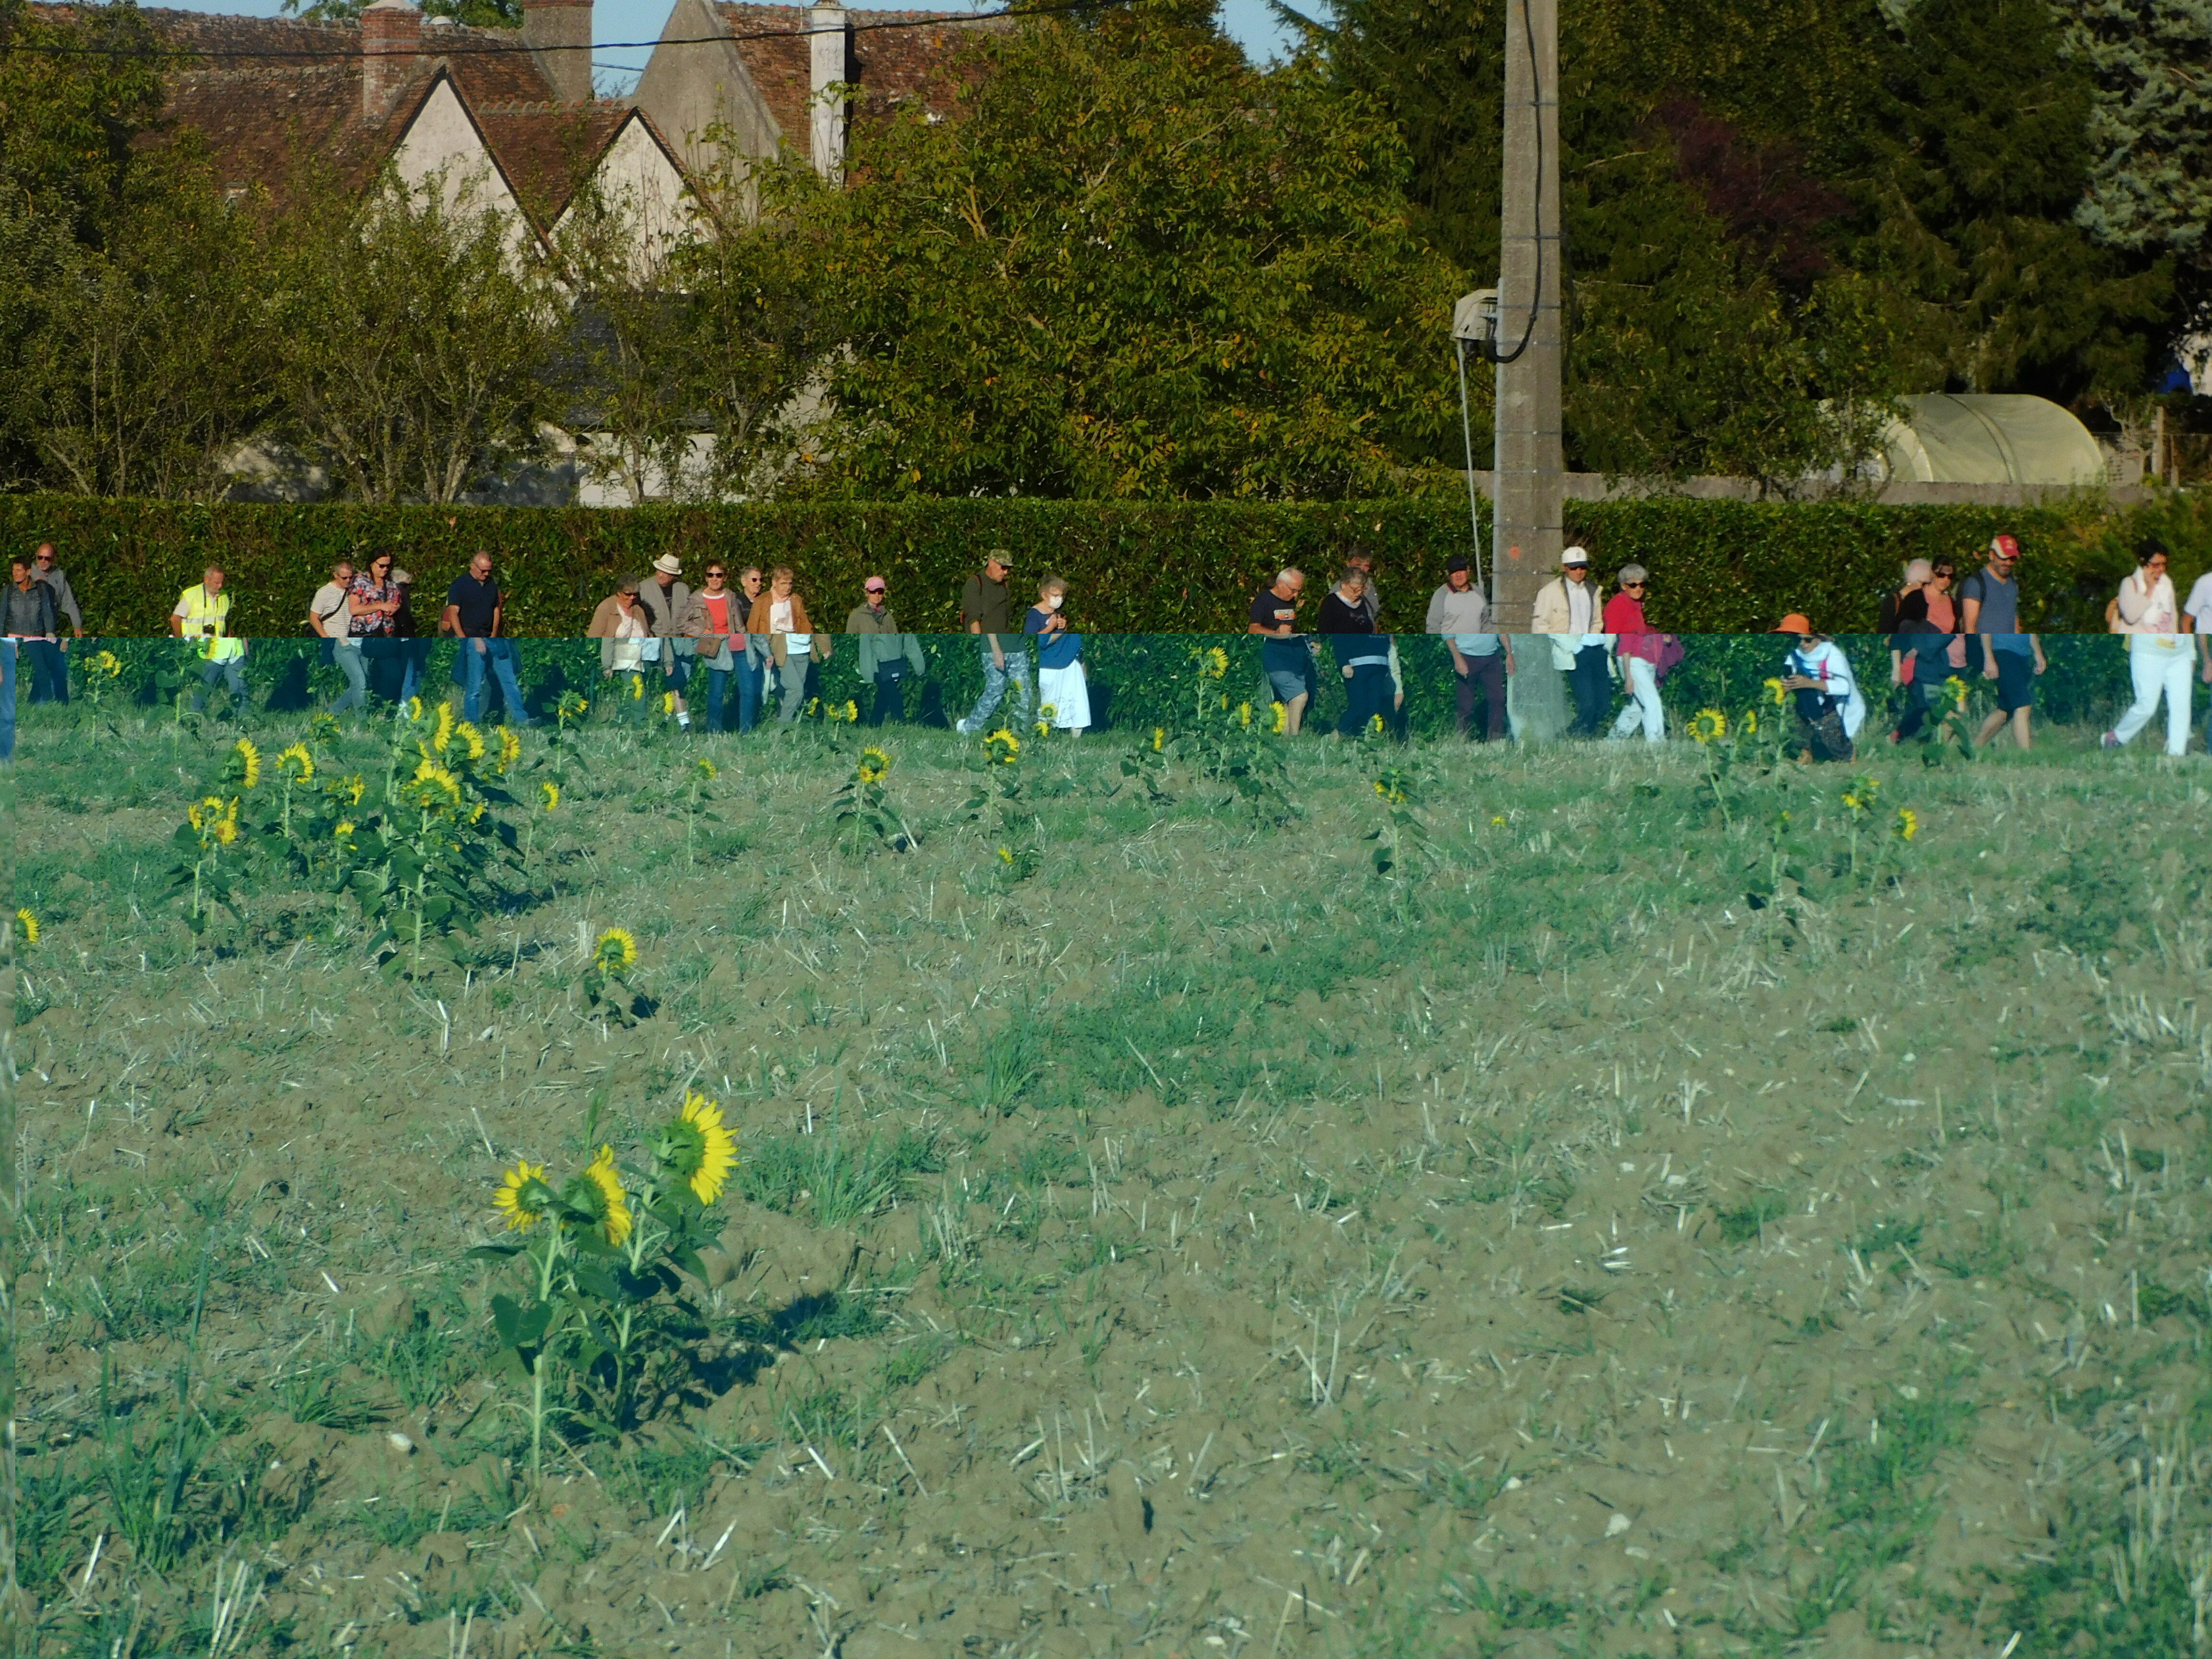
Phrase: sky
pixel 614 71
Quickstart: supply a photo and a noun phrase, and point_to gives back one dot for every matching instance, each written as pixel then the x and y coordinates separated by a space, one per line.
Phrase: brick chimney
pixel 831 50
pixel 559 32
pixel 391 40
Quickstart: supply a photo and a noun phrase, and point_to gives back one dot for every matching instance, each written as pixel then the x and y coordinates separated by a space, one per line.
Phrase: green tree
pixel 417 334
pixel 2150 123
pixel 1127 265
pixel 477 14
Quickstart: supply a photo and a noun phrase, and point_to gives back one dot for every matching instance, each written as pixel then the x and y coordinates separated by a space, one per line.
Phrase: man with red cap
pixel 1989 602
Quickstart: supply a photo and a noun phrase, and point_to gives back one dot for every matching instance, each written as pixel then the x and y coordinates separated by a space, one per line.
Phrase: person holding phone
pixel 202 616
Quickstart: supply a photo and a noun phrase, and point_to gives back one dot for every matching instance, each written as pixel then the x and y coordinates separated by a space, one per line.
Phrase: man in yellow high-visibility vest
pixel 203 615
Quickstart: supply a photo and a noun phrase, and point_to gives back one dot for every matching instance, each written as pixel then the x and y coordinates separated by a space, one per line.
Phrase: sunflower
pixel 1005 855
pixel 1043 728
pixel 510 747
pixel 444 734
pixel 437 779
pixel 637 687
pixel 1778 691
pixel 474 739
pixel 697 1147
pixel 1159 737
pixel 1709 726
pixel 598 1192
pixel 551 794
pixel 1282 717
pixel 108 664
pixel 355 787
pixel 341 835
pixel 1049 711
pixel 412 709
pixel 874 763
pixel 1375 725
pixel 1748 724
pixel 1390 790
pixel 249 762
pixel 482 807
pixel 1957 688
pixel 707 770
pixel 27 924
pixel 297 763
pixel 1497 822
pixel 667 703
pixel 226 828
pixel 1244 715
pixel 523 1196
pixel 1002 748
pixel 1213 662
pixel 1908 823
pixel 617 950
pixel 201 813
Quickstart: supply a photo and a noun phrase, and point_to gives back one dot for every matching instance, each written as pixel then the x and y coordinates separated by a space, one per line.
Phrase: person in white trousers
pixel 1635 647
pixel 2160 661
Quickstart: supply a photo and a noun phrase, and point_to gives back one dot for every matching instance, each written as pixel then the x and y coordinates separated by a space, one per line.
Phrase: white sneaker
pixel 963 728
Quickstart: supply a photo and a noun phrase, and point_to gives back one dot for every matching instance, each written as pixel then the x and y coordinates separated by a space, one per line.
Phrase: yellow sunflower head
pixel 107 665
pixel 707 770
pixel 1709 726
pixel 1159 738
pixel 433 785
pixel 523 1196
pixel 1005 855
pixel 851 712
pixel 443 734
pixel 697 1147
pixel 550 793
pixel 356 786
pixel 1244 715
pixel 297 763
pixel 667 703
pixel 1213 662
pixel 412 709
pixel 344 834
pixel 1002 748
pixel 247 760
pixel 873 765
pixel 510 747
pixel 598 1193
pixel 1374 726
pixel 615 951
pixel 26 927
pixel 1748 724
pixel 1498 822
pixel 1282 718
pixel 637 687
pixel 1908 823
pixel 469 735
pixel 1777 692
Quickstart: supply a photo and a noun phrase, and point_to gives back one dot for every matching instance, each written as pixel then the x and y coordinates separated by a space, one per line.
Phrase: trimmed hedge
pixel 1136 679
pixel 1718 566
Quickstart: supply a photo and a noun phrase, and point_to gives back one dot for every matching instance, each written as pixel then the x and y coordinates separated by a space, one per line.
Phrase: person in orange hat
pixel 1818 676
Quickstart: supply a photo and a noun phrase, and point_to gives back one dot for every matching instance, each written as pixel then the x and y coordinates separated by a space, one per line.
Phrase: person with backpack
pixel 1989 607
pixel 1818 677
pixel 2160 659
pixel 1641 654
pixel 1918 657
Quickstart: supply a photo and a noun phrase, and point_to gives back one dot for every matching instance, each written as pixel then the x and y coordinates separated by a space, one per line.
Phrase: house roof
pixel 893 65
pixel 548 151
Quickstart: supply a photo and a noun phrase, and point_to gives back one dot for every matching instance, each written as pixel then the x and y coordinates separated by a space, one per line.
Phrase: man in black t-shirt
pixel 472 612
pixel 1285 658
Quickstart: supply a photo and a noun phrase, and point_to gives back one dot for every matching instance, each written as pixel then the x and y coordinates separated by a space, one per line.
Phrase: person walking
pixel 621 626
pixel 1639 652
pixel 716 629
pixel 44 569
pixel 667 601
pixel 1918 654
pixel 1370 595
pixel 1061 687
pixel 1817 675
pixel 2159 658
pixel 375 611
pixel 986 611
pixel 1990 608
pixel 203 614
pixel 781 615
pixel 414 647
pixel 1570 608
pixel 1286 658
pixel 1457 611
pixel 1363 657
pixel 2198 610
pixel 29 620
pixel 330 618
pixel 887 654
pixel 474 608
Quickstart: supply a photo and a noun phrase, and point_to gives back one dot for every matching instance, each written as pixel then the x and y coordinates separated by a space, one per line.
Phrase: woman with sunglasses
pixel 716 618
pixel 1636 648
pixel 375 611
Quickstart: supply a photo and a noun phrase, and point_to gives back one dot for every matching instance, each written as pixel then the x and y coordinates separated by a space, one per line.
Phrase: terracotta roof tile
pixel 548 150
pixel 894 65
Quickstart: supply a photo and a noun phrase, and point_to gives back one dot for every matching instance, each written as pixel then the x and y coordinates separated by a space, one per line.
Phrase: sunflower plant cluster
pixel 213 850
pixel 1226 740
pixel 1955 709
pixel 863 805
pixel 422 866
pixel 1147 766
pixel 1747 746
pixel 1402 829
pixel 1000 799
pixel 1816 840
pixel 608 1327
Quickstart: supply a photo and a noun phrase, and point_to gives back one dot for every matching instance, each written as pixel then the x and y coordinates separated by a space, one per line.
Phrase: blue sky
pixel 1248 20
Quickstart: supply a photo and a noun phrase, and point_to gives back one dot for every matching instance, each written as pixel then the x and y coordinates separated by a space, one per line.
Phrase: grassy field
pixel 1407 1202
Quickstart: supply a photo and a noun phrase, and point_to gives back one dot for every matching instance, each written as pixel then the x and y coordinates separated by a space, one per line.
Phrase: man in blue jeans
pixel 986 611
pixel 472 613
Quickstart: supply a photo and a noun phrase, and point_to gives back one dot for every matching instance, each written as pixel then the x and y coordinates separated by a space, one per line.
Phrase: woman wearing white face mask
pixel 2159 657
pixel 1061 685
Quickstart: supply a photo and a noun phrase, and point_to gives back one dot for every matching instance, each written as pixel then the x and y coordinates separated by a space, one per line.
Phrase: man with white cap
pixel 667 605
pixel 1570 608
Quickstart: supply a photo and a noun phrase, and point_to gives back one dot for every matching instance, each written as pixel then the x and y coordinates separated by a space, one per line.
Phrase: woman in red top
pixel 716 619
pixel 1636 648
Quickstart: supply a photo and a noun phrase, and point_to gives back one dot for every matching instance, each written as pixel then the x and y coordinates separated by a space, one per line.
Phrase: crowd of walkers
pixel 751 636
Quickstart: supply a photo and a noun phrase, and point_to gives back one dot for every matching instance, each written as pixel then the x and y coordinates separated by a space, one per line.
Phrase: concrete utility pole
pixel 1530 463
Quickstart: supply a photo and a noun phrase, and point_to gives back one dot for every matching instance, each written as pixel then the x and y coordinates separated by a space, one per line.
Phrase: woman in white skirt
pixel 1061 685
pixel 2159 660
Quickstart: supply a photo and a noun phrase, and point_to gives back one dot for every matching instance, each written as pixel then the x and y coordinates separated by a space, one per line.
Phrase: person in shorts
pixel 1989 602
pixel 1285 658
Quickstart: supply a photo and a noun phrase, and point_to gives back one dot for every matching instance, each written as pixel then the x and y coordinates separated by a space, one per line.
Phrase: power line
pixel 350 53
